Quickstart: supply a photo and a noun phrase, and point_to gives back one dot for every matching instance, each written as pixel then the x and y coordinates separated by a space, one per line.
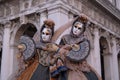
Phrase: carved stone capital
pixel 112 37
pixel 7 24
pixel 94 29
pixel 1 38
pixel 118 40
pixel 23 20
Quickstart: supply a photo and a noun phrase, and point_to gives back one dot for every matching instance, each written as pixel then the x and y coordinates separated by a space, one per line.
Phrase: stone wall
pixel 21 12
pixel 86 7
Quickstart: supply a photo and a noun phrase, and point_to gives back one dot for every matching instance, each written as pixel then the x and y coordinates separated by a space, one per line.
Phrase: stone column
pixel 60 17
pixel 43 17
pixel 108 66
pixel 96 54
pixel 115 60
pixel 5 54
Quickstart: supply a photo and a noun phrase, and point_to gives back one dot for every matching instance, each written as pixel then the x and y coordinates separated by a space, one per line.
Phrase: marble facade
pixel 104 34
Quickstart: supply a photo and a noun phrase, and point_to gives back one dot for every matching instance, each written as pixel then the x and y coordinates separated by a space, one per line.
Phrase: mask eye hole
pixel 79 28
pixel 43 33
pixel 75 26
pixel 47 33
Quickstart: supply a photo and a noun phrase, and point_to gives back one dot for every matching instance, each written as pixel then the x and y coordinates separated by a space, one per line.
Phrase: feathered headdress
pixel 82 19
pixel 49 23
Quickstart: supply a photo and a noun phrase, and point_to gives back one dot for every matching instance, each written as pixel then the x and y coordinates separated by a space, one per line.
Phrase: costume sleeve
pixel 62 42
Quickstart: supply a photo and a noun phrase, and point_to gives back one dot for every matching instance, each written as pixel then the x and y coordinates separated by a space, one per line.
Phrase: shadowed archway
pixel 28 29
pixel 119 63
pixel 0 58
pixel 105 59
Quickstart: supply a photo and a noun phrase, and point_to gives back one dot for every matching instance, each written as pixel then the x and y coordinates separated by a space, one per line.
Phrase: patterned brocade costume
pixel 39 69
pixel 44 56
pixel 77 47
pixel 77 70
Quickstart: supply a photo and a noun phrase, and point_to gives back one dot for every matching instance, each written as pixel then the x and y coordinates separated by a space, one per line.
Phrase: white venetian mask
pixel 46 34
pixel 77 28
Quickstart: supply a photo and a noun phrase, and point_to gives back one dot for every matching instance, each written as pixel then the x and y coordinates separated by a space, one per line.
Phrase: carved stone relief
pixel 77 2
pixel 8 10
pixel 71 2
pixel 35 2
pixel 97 14
pixel 1 33
pixel 26 5
pixel 16 6
pixel 15 24
pixel 34 17
pixel 118 44
pixel 1 10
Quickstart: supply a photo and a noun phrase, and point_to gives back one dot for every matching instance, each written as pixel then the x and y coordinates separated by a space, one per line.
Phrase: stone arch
pixel 108 38
pixel 105 57
pixel 25 29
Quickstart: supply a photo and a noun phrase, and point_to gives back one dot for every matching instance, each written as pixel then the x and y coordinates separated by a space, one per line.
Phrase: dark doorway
pixel 31 30
pixel 119 63
pixel 105 59
pixel 0 58
pixel 28 29
pixel 102 62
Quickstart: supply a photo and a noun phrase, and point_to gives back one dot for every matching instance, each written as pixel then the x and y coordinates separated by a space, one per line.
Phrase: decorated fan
pixel 27 45
pixel 79 52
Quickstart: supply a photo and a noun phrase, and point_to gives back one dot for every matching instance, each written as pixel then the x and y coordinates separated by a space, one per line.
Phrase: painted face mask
pixel 77 28
pixel 46 34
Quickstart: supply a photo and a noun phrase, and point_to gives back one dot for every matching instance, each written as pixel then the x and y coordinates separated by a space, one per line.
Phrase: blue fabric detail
pixel 57 50
pixel 62 68
pixel 54 74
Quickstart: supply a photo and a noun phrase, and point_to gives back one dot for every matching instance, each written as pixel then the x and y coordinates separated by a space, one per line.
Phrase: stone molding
pixel 42 7
pixel 59 4
pixel 109 7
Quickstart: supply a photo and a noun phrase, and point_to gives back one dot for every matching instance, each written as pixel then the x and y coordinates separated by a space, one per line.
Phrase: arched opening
pixel 102 62
pixel 119 63
pixel 0 58
pixel 105 59
pixel 25 29
pixel 30 31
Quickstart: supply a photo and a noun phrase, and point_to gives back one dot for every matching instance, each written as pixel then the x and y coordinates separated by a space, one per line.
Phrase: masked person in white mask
pixel 44 56
pixel 46 34
pixel 46 51
pixel 77 28
pixel 78 50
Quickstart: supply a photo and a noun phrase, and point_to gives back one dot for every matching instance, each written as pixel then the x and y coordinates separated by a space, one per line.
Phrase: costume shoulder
pixel 65 36
pixel 64 39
